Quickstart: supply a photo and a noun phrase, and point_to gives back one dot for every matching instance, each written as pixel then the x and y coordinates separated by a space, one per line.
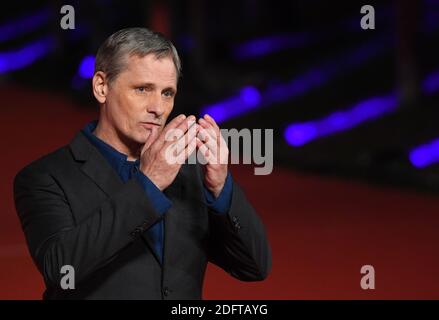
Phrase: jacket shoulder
pixel 46 164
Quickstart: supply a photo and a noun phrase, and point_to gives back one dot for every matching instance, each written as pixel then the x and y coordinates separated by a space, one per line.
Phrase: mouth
pixel 150 125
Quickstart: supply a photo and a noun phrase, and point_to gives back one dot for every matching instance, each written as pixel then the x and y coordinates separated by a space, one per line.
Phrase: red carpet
pixel 321 230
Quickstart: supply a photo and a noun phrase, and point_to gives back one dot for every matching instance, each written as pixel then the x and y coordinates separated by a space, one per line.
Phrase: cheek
pixel 121 112
pixel 127 108
pixel 169 107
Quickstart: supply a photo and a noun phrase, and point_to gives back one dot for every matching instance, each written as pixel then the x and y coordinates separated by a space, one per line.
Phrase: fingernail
pixel 182 116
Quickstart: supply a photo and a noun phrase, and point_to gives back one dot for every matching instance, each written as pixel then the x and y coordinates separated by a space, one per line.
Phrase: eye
pixel 141 89
pixel 168 93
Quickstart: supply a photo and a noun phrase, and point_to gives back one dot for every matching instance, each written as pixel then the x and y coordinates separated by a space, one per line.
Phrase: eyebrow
pixel 149 84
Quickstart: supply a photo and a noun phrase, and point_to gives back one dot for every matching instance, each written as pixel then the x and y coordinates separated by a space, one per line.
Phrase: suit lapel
pixel 100 171
pixel 95 165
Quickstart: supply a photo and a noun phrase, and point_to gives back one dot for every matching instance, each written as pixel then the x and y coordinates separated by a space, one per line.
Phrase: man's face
pixel 141 97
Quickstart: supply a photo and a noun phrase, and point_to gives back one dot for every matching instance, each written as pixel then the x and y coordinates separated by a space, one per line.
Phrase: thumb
pixel 150 140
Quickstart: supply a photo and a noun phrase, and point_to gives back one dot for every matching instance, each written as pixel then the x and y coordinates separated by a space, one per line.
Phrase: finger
pixel 205 152
pixel 219 152
pixel 212 140
pixel 174 134
pixel 183 141
pixel 213 130
pixel 153 135
pixel 174 123
pixel 187 151
pixel 208 126
pixel 211 121
pixel 208 140
pixel 223 150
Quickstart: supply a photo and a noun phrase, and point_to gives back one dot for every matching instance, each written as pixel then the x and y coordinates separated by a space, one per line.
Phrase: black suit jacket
pixel 76 211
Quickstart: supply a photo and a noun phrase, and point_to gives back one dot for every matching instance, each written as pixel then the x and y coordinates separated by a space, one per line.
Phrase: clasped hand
pixel 164 152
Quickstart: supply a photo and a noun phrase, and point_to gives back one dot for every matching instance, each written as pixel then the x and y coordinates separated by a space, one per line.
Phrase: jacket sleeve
pixel 55 239
pixel 237 240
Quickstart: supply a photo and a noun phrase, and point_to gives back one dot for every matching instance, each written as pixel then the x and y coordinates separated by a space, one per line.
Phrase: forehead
pixel 150 69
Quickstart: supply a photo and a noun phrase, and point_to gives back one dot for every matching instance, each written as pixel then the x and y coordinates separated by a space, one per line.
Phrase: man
pixel 112 206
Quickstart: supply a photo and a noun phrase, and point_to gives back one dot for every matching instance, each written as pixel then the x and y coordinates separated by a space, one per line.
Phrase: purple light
pixel 250 96
pixel 86 67
pixel 264 46
pixel 298 86
pixel 268 45
pixel 248 99
pixel 28 23
pixel 431 83
pixel 431 18
pixel 298 134
pixel 425 155
pixel 14 60
pixel 311 79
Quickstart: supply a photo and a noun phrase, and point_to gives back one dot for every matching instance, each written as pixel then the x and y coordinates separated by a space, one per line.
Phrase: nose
pixel 155 105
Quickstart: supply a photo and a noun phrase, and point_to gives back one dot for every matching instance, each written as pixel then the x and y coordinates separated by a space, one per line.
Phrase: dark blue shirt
pixel 130 170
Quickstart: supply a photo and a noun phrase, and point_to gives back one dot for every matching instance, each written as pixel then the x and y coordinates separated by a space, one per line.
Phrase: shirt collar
pixel 116 158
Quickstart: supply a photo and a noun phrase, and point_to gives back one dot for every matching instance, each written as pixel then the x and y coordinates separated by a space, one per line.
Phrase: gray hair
pixel 111 55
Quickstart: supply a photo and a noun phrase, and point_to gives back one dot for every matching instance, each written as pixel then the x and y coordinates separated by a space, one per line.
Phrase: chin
pixel 142 136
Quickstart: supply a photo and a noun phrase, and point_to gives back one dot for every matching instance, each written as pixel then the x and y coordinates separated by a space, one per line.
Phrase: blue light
pixel 298 134
pixel 425 155
pixel 267 45
pixel 250 96
pixel 14 60
pixel 270 44
pixel 86 67
pixel 250 99
pixel 23 25
pixel 431 84
pixel 216 112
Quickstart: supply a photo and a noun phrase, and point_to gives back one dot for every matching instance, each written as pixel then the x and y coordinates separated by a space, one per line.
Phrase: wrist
pixel 155 180
pixel 217 191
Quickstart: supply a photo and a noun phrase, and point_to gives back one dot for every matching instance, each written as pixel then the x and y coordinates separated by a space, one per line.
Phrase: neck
pixel 109 135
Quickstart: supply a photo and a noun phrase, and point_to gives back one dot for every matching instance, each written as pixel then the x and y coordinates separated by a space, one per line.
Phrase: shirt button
pixel 166 291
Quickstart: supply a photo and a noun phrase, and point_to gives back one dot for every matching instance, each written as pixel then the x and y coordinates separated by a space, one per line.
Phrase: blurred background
pixel 354 113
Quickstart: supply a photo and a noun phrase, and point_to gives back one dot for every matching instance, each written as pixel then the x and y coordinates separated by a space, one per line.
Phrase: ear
pixel 100 86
